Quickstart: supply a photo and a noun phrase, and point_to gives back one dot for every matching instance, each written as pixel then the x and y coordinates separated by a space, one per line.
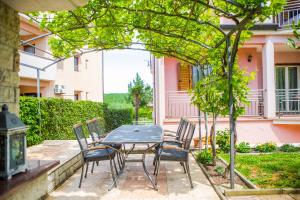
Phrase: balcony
pixel 288 102
pixel 39 62
pixel 178 104
pixel 286 18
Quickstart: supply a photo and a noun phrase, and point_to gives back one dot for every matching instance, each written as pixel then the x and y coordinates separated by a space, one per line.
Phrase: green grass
pixel 275 170
pixel 117 100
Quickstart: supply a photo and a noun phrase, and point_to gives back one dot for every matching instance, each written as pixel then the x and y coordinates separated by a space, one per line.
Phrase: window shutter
pixel 185 77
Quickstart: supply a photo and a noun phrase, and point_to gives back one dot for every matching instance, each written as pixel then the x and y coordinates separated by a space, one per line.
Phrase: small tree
pixel 139 93
pixel 211 95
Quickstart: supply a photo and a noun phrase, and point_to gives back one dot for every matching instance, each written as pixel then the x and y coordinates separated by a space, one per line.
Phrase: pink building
pixel 79 77
pixel 273 114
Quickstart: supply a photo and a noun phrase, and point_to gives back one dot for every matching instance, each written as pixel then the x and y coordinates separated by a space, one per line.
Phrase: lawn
pixel 117 100
pixel 120 100
pixel 275 170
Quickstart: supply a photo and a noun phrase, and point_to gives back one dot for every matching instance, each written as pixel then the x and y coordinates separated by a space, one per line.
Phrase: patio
pixel 132 184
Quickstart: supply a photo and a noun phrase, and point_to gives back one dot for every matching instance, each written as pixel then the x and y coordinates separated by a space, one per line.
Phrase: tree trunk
pixel 137 104
pixel 213 140
pixel 206 131
pixel 200 132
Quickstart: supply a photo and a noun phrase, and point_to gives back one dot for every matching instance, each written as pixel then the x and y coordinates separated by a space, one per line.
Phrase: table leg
pixel 144 166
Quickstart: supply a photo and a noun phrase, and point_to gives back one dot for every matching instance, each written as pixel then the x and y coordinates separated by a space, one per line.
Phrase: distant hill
pixel 117 100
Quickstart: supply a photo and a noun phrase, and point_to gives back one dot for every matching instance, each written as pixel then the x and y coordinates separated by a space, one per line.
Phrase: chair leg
pixel 97 162
pixel 157 170
pixel 119 161
pixel 115 166
pixel 112 172
pixel 86 170
pixel 155 167
pixel 184 167
pixel 188 172
pixel 81 176
pixel 92 171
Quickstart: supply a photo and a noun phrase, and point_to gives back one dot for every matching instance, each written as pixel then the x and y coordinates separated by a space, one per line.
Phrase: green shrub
pixel 243 147
pixel 288 148
pixel 114 117
pixel 29 115
pixel 59 115
pixel 145 113
pixel 223 140
pixel 204 157
pixel 266 147
pixel 220 170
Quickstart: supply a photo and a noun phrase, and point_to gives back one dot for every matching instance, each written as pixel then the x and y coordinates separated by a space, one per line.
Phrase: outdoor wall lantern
pixel 250 58
pixel 12 144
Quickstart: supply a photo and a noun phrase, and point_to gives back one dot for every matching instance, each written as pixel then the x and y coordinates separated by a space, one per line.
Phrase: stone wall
pixel 35 189
pixel 61 173
pixel 9 57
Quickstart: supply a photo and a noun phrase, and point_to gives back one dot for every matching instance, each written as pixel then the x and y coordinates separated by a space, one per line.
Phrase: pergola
pixel 188 30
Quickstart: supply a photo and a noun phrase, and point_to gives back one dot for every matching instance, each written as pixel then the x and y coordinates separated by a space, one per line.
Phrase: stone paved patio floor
pixel 134 185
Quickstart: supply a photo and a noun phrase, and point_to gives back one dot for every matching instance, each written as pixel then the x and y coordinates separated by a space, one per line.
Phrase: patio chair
pixel 175 134
pixel 95 129
pixel 175 140
pixel 178 139
pixel 91 153
pixel 175 153
pixel 97 134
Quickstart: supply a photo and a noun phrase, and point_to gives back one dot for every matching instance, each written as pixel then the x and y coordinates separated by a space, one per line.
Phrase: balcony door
pixel 287 89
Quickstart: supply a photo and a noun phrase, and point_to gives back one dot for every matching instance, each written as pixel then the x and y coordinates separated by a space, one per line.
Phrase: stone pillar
pixel 9 57
pixel 269 79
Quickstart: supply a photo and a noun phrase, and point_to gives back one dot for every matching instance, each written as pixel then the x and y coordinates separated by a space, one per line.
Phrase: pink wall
pixel 253 66
pixel 256 131
pixel 287 57
pixel 171 83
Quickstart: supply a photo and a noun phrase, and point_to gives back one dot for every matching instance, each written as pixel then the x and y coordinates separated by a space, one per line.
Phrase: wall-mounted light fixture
pixel 250 58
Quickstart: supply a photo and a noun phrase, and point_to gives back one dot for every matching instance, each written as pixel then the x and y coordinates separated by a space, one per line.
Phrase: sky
pixel 121 66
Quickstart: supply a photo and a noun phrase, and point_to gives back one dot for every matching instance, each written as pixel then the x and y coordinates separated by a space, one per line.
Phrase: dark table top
pixel 135 134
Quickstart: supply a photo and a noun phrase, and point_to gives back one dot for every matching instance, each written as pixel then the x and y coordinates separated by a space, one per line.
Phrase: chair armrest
pixel 170 135
pixel 96 148
pixel 94 142
pixel 176 141
pixel 170 131
pixel 175 148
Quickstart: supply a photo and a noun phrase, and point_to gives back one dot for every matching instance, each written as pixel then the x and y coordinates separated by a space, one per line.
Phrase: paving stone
pixel 173 184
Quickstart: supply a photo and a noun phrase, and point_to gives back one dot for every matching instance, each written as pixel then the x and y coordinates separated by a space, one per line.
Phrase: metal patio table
pixel 150 135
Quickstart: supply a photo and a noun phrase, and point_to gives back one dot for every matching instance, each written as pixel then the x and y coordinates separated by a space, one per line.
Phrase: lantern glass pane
pixel 17 156
pixel 2 153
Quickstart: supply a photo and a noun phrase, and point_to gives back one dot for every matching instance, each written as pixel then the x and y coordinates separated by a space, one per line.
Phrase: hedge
pixel 59 115
pixel 114 117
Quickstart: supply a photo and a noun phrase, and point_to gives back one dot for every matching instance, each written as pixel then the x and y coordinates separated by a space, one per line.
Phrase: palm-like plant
pixel 139 93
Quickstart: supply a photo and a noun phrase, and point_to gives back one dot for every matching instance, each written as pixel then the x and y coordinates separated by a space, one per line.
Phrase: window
pixel 184 77
pixel 29 48
pixel 76 63
pixel 76 97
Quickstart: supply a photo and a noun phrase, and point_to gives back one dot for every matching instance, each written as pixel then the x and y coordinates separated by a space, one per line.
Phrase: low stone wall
pixel 35 189
pixel 61 173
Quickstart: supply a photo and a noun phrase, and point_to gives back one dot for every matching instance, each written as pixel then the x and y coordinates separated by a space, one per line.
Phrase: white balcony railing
pixel 178 104
pixel 286 18
pixel 288 101
pixel 39 62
